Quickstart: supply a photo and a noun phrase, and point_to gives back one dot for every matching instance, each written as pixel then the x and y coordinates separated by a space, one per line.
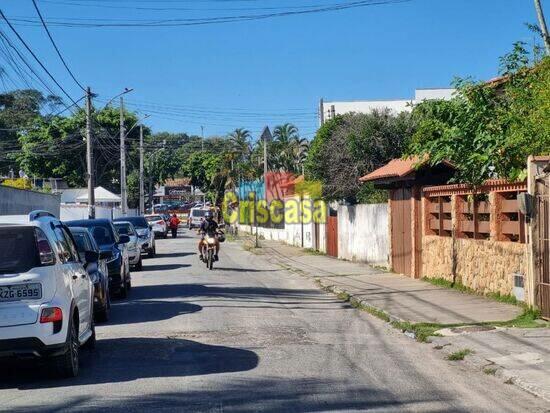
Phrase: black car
pixel 97 270
pixel 106 236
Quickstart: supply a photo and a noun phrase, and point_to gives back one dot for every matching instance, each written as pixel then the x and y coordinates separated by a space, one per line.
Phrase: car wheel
pixel 66 365
pixel 152 251
pixel 123 290
pixel 90 344
pixel 103 315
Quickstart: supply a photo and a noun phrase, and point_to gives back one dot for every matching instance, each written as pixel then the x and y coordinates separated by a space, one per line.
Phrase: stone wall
pixel 484 266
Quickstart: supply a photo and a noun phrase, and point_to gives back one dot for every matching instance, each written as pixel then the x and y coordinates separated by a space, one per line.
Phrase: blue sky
pixel 229 75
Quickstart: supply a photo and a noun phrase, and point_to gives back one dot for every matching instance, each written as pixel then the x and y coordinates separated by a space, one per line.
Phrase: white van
pixel 196 216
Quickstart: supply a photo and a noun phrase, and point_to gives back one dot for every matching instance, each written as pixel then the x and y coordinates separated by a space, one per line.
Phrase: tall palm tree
pixel 240 143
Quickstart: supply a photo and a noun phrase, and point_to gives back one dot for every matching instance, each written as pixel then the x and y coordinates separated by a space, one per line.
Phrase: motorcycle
pixel 209 248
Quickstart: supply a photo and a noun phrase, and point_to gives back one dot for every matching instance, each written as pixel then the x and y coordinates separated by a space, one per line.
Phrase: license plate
pixel 20 292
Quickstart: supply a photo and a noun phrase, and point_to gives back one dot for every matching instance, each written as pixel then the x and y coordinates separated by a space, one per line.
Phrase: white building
pixel 329 109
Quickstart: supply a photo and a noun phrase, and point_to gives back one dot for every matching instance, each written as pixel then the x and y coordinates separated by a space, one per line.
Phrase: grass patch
pixel 530 318
pixel 490 371
pixel 382 315
pixel 343 296
pixel 458 286
pixel 459 355
pixel 312 251
pixel 422 331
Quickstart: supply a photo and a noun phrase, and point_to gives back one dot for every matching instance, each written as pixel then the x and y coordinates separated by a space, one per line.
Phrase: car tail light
pixel 45 252
pixel 160 222
pixel 51 315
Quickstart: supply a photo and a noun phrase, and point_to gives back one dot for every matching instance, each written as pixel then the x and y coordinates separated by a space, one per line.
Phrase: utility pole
pixel 89 156
pixel 141 183
pixel 122 160
pixel 202 138
pixel 321 112
pixel 543 27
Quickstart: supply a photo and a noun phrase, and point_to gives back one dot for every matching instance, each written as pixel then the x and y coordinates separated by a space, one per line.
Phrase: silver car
pixel 146 236
pixel 133 247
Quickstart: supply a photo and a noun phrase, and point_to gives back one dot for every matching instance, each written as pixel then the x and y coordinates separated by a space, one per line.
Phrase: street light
pixel 126 90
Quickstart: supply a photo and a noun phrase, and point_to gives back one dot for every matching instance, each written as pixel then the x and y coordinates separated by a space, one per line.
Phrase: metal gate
pixel 542 258
pixel 401 234
pixel 332 236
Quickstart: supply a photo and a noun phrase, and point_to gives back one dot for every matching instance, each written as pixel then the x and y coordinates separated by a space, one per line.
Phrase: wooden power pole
pixel 122 160
pixel 89 156
pixel 141 183
pixel 542 25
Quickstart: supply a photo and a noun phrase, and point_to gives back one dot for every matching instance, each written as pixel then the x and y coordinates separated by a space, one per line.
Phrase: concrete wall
pixel 485 266
pixel 19 202
pixel 70 212
pixel 363 233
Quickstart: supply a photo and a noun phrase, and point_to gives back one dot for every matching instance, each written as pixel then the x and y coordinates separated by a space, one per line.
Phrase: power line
pixel 70 22
pixel 55 46
pixel 34 56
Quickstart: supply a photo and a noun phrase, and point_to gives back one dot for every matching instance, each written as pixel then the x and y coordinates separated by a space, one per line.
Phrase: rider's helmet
pixel 209 215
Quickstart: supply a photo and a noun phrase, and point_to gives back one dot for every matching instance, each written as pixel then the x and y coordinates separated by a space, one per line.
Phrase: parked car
pixel 97 270
pixel 46 295
pixel 146 236
pixel 159 225
pixel 107 238
pixel 133 247
pixel 196 216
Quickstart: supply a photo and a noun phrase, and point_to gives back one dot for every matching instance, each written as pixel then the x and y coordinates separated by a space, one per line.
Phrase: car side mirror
pixel 123 239
pixel 106 255
pixel 91 256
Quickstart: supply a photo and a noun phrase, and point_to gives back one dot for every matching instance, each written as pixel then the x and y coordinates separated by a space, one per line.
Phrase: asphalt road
pixel 250 337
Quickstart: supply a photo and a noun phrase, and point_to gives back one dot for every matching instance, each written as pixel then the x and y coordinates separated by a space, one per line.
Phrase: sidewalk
pixel 402 298
pixel 517 356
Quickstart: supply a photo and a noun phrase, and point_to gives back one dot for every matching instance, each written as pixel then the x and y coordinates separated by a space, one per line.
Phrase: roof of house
pixel 397 168
pixel 178 182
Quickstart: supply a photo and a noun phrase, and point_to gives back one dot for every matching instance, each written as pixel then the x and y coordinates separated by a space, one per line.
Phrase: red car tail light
pixel 51 315
pixel 45 252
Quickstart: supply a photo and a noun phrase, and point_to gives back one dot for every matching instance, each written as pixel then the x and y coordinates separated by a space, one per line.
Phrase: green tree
pixel 489 129
pixel 349 146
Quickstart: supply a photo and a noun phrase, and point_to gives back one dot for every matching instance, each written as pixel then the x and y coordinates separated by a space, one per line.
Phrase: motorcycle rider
pixel 209 227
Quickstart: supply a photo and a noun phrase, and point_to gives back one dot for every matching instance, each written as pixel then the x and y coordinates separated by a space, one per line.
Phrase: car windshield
pixel 199 212
pixel 124 229
pixel 17 249
pixel 154 218
pixel 138 222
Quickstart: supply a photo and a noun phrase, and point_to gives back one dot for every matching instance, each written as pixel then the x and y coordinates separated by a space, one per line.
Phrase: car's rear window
pixel 199 212
pixel 81 240
pixel 124 229
pixel 138 222
pixel 17 250
pixel 154 218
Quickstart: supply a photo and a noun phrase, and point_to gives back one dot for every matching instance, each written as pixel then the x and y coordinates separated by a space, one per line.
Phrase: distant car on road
pixel 133 247
pixel 110 243
pixel 146 236
pixel 159 225
pixel 46 295
pixel 97 270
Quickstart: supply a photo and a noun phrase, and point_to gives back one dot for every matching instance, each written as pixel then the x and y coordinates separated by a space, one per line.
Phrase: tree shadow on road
pixel 128 359
pixel 174 254
pixel 164 267
pixel 144 311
